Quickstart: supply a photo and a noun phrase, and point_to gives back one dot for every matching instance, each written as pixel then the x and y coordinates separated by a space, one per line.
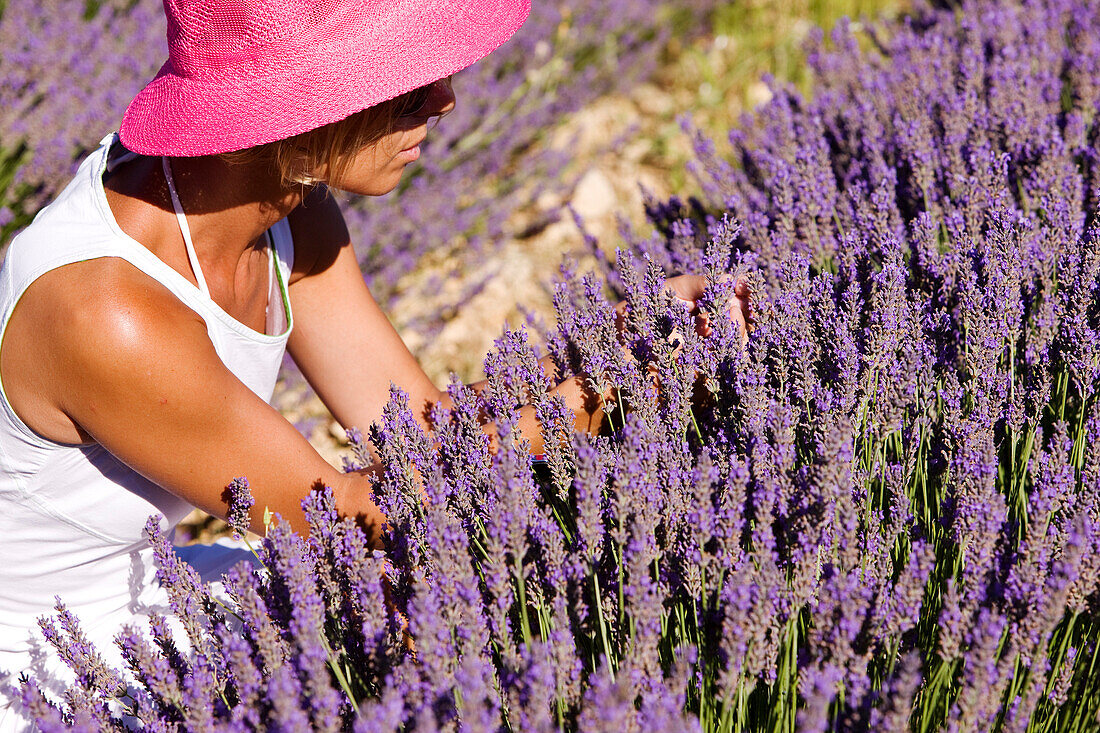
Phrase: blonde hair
pixel 324 153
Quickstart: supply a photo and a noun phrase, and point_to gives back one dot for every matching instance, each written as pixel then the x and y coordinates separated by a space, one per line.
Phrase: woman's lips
pixel 412 152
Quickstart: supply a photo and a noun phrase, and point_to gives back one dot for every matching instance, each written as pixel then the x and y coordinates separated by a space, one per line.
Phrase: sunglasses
pixel 414 101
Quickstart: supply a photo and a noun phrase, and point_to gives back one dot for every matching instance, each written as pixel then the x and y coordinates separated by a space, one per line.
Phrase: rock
pixel 653 101
pixel 548 201
pixel 636 150
pixel 758 93
pixel 594 195
pixel 337 432
pixel 589 131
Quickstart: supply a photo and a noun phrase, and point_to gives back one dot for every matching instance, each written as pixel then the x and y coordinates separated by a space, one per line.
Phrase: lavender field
pixel 880 512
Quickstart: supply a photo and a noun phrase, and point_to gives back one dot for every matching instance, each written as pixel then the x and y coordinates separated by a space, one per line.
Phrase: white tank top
pixel 71 517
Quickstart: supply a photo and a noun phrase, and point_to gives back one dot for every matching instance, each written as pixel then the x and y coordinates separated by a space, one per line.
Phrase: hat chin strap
pixel 184 229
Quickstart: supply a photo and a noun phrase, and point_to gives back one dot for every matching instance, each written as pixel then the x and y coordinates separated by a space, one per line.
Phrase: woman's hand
pixel 587 405
pixel 689 288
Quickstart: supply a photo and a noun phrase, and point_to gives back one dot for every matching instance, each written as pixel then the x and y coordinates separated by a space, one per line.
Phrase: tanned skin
pixel 99 352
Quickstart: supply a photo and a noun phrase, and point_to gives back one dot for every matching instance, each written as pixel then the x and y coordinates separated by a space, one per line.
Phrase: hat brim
pixel 276 93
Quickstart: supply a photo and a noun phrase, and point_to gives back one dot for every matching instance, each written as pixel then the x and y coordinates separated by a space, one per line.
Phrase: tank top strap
pixel 280 264
pixel 184 229
pixel 284 247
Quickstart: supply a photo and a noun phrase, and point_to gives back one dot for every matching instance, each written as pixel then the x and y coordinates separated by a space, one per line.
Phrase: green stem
pixel 524 623
pixel 603 624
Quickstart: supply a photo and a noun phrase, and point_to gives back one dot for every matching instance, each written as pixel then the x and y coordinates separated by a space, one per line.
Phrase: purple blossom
pixel 240 502
pixel 878 513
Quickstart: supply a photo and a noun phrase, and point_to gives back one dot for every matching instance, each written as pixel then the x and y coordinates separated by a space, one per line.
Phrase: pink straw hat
pixel 245 72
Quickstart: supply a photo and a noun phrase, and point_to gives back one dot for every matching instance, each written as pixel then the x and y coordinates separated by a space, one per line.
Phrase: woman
pixel 145 313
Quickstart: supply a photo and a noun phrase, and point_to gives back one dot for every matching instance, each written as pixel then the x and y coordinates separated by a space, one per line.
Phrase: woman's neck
pixel 228 207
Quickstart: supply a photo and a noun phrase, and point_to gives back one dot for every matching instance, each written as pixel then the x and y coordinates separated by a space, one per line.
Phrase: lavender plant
pixel 67 70
pixel 879 514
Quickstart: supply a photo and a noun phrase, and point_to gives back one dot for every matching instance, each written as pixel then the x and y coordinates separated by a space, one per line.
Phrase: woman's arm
pixel 586 405
pixel 342 341
pixel 349 351
pixel 134 369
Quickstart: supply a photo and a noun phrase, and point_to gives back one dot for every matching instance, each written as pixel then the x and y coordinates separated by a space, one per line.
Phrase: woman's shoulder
pixel 90 323
pixel 318 229
pixel 105 301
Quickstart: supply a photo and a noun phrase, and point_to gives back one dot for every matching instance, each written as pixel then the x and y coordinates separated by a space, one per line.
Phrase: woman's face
pixel 376 168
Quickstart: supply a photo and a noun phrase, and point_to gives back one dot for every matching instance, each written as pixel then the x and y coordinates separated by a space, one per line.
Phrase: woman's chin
pixel 378 186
